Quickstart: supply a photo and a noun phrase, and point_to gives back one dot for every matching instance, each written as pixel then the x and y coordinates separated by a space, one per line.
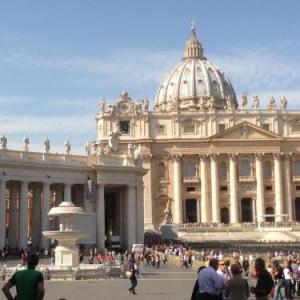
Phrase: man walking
pixel 210 283
pixel 29 283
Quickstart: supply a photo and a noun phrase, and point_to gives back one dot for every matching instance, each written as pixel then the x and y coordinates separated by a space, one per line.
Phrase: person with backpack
pixel 264 283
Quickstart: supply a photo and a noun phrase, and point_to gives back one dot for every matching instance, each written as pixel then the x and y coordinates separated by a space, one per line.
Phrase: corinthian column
pixel 100 217
pixel 131 215
pixel 177 189
pixel 204 190
pixel 44 213
pixel 260 201
pixel 287 179
pixel 2 213
pixel 215 189
pixel 233 189
pixel 278 188
pixel 23 210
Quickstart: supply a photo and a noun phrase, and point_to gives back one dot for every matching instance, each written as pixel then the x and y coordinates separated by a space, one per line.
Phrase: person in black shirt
pixel 264 283
pixel 133 279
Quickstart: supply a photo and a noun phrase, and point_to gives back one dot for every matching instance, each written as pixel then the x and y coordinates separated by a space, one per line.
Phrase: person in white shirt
pixel 224 276
pixel 288 279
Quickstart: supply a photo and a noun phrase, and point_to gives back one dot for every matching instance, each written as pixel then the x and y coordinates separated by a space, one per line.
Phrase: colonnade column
pixel 177 189
pixel 23 218
pixel 36 222
pixel 215 203
pixel 233 189
pixel 140 213
pixel 278 188
pixel 131 215
pixel 13 215
pixel 2 213
pixel 288 186
pixel 67 192
pixel 204 190
pixel 260 201
pixel 100 217
pixel 44 214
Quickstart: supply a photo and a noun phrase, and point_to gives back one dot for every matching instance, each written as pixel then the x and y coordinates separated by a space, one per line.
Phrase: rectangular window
pixel 268 188
pixel 189 127
pixel 297 187
pixel 221 127
pixel 124 126
pixel 266 126
pixel 161 129
pixel 190 189
pixel 223 188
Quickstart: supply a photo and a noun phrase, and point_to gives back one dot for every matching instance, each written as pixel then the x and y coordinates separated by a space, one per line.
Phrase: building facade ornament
pixel 67 146
pixel 113 141
pixel 25 144
pixel 283 103
pixel 272 104
pixel 3 142
pixel 46 145
pixel 256 104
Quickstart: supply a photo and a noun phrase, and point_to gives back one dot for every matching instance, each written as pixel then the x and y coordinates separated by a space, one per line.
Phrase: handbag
pixel 128 274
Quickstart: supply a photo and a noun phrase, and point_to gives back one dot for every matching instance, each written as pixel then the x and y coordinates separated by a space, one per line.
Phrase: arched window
pixel 297 168
pixel 223 170
pixel 190 169
pixel 267 169
pixel 245 169
pixel 162 171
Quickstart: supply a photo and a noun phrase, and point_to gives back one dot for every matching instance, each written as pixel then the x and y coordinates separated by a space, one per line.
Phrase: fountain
pixel 66 253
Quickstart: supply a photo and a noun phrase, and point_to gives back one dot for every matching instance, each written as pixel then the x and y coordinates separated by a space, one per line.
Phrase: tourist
pixel 288 279
pixel 236 288
pixel 210 284
pixel 278 279
pixel 195 294
pixel 132 277
pixel 264 283
pixel 224 276
pixel 29 283
pixel 296 276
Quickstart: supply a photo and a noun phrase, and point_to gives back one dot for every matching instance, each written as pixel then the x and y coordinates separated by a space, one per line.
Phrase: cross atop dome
pixel 193 47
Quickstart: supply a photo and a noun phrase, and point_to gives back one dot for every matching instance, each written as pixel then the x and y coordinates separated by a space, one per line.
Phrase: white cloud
pixel 45 124
pixel 261 68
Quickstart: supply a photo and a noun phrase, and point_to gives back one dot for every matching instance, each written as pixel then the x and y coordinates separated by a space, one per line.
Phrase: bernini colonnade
pixel 30 186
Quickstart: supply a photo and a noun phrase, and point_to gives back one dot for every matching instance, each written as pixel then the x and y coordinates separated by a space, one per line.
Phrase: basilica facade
pixel 212 158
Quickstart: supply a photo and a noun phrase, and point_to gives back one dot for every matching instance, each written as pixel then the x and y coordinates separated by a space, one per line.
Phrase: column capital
pixel 259 156
pixel 176 157
pixel 214 156
pixel 233 156
pixel 203 157
pixel 287 156
pixel 277 156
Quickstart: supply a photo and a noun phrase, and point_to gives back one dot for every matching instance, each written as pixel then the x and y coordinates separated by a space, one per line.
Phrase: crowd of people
pixel 229 280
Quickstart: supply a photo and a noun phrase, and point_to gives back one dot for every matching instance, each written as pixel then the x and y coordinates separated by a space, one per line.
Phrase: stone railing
pixel 204 227
pixel 8 155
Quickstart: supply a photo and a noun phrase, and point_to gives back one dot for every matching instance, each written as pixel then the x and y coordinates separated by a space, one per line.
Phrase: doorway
pixel 247 212
pixel 190 211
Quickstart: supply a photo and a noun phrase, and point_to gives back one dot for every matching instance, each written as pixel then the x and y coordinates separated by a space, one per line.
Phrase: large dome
pixel 195 83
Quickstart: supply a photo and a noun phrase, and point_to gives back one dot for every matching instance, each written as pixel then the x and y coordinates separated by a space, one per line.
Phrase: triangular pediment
pixel 247 131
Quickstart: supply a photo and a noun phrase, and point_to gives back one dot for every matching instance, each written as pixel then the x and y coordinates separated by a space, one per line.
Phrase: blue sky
pixel 57 58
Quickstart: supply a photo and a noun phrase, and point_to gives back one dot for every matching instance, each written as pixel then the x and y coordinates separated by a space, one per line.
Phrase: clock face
pixel 124 107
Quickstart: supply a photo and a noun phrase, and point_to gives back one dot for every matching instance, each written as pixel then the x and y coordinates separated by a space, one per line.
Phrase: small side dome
pixel 195 83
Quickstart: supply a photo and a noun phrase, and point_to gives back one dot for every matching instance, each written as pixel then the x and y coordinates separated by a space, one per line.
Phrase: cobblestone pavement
pixel 167 283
